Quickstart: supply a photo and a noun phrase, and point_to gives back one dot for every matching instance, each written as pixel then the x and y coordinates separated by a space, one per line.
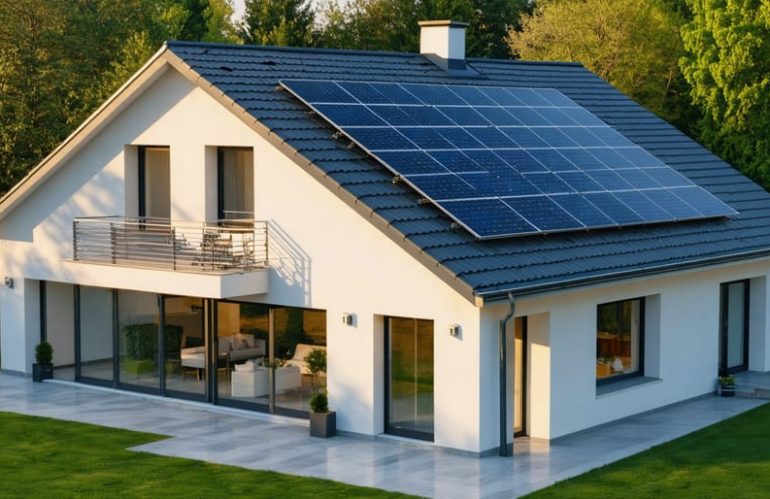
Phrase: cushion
pixel 249 339
pixel 224 344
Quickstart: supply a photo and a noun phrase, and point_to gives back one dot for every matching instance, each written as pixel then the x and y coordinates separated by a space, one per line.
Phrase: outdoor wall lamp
pixel 9 282
pixel 348 319
pixel 455 330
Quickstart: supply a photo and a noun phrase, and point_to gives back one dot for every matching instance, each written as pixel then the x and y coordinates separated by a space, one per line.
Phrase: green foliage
pixel 316 361
pixel 727 381
pixel 278 22
pixel 392 24
pixel 725 460
pixel 42 457
pixel 141 341
pixel 319 402
pixel 316 364
pixel 727 64
pixel 633 44
pixel 43 353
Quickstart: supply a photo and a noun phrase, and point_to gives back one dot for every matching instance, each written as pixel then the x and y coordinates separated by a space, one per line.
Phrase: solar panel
pixel 508 161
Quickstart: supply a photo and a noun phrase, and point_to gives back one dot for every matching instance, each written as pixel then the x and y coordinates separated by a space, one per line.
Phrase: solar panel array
pixel 508 161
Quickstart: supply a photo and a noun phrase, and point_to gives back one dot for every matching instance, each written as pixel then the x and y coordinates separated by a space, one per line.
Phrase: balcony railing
pixel 225 247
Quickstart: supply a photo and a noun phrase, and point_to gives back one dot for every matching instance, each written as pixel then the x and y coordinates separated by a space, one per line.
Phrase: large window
pixel 619 339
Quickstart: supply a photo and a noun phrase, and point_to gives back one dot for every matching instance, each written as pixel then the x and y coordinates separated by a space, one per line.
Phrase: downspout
pixel 503 451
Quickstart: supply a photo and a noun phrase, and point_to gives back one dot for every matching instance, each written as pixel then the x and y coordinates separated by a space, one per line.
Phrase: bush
pixel 319 403
pixel 44 353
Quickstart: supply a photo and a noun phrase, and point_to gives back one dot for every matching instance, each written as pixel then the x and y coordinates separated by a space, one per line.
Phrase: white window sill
pixel 609 388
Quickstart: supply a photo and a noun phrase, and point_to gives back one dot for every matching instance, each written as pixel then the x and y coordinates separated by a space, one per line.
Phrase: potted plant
pixel 727 385
pixel 323 422
pixel 273 365
pixel 43 366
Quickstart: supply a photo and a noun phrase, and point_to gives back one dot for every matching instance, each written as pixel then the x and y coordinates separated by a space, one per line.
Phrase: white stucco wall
pixel 681 347
pixel 323 254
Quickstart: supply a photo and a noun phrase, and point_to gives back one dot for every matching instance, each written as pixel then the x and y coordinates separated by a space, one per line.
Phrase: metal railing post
pixel 75 239
pixel 266 243
pixel 113 248
pixel 173 248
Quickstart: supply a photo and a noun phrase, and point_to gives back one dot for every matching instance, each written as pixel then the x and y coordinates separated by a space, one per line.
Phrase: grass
pixel 728 459
pixel 42 457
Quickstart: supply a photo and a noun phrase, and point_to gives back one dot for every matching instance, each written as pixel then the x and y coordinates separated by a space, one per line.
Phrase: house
pixel 216 214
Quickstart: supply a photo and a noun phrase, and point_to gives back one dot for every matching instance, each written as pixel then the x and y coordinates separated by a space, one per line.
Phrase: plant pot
pixel 41 372
pixel 727 391
pixel 323 424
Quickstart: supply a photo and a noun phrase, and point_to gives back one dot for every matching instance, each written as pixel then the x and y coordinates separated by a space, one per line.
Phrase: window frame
pixel 642 326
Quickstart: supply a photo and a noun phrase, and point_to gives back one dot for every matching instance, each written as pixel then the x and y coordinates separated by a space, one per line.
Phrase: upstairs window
pixel 235 179
pixel 619 340
pixel 154 182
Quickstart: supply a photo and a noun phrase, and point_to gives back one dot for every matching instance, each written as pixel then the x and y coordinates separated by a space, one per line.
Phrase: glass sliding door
pixel 184 346
pixel 96 335
pixel 409 377
pixel 297 332
pixel 261 355
pixel 734 336
pixel 242 346
pixel 138 322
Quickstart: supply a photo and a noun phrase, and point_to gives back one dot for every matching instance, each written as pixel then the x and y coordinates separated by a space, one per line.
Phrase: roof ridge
pixel 327 50
pixel 274 48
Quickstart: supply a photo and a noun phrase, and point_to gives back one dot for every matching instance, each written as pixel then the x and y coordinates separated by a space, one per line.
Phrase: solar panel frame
pixel 435 161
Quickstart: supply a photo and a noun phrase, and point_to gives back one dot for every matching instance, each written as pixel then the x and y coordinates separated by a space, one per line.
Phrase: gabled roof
pixel 245 79
pixel 249 76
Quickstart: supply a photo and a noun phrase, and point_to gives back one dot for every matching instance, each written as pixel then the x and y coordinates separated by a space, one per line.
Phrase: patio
pixel 258 441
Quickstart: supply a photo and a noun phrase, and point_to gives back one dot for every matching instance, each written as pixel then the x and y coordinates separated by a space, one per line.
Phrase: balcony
pixel 213 258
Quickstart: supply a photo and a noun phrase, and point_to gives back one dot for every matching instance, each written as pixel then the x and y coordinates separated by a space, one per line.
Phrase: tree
pixel 60 60
pixel 278 22
pixel 633 44
pixel 727 63
pixel 392 24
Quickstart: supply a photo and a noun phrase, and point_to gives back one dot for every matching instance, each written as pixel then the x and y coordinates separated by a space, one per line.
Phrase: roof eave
pixel 571 284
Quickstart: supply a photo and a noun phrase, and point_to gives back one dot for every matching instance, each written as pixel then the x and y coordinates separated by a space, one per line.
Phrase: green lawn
pixel 42 457
pixel 729 459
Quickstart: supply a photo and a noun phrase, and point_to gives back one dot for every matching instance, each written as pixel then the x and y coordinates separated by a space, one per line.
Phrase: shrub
pixel 44 353
pixel 319 403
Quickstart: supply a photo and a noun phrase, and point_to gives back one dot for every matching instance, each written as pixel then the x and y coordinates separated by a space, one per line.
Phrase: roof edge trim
pixel 103 115
pixel 502 295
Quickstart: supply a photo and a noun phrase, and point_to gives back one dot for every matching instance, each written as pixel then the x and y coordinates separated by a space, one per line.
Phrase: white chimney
pixel 443 42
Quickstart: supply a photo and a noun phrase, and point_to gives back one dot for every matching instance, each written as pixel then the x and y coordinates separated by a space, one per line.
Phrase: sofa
pixel 232 348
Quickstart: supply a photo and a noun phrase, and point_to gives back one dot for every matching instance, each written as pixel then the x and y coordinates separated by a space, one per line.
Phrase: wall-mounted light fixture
pixel 9 282
pixel 455 330
pixel 349 319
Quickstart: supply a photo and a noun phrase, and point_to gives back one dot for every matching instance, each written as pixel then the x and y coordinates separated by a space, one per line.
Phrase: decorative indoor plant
pixel 323 422
pixel 43 366
pixel 727 385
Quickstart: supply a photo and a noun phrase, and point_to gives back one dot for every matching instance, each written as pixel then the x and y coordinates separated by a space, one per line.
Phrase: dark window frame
pixel 389 429
pixel 642 326
pixel 723 306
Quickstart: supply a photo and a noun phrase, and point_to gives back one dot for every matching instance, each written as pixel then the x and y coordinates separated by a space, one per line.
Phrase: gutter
pixel 497 296
pixel 503 450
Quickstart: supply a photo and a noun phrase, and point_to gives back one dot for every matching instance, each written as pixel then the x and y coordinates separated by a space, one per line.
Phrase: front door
pixel 734 325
